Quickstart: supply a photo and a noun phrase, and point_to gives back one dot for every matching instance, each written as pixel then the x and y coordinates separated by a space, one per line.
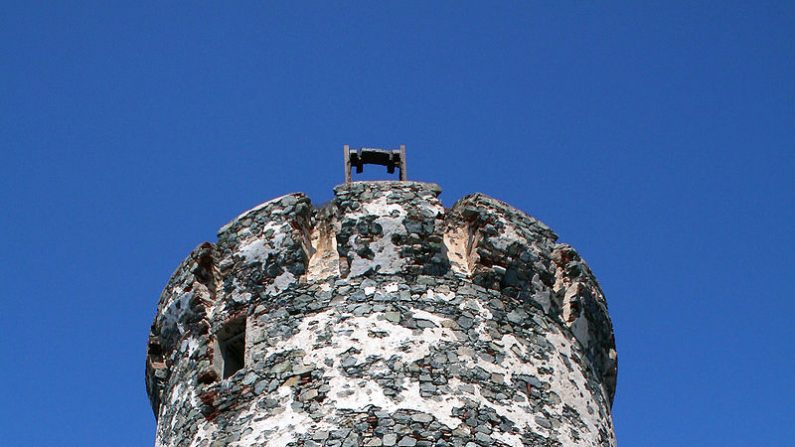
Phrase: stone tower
pixel 382 319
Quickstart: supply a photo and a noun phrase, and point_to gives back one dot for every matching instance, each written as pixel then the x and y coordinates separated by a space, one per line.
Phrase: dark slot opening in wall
pixel 232 344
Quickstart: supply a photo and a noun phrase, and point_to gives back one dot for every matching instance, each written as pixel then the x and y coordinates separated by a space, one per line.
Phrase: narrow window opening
pixel 232 344
pixel 156 354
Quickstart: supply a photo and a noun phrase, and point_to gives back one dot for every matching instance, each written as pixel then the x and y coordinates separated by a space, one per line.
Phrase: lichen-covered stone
pixel 384 319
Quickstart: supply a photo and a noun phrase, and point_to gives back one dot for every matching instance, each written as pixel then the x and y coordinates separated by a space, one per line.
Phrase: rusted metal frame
pixel 403 177
pixel 385 157
pixel 347 150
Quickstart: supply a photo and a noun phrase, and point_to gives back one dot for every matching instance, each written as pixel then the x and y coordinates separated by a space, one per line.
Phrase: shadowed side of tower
pixel 382 319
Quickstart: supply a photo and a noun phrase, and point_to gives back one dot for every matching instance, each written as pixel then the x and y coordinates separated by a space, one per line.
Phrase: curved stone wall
pixel 384 319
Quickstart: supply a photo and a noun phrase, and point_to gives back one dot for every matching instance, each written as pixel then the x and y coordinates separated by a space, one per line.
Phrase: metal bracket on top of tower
pixel 391 158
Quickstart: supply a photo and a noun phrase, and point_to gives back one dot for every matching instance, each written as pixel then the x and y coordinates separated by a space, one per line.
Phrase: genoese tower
pixel 382 319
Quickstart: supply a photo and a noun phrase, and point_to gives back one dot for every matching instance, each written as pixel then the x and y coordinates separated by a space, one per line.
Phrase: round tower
pixel 382 319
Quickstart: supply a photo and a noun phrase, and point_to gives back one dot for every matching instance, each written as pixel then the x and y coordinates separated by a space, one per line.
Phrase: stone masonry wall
pixel 384 319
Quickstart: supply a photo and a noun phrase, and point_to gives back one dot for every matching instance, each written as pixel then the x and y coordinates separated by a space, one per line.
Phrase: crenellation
pixel 383 319
pixel 390 227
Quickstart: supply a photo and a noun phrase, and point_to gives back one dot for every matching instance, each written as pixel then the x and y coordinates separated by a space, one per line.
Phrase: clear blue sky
pixel 656 137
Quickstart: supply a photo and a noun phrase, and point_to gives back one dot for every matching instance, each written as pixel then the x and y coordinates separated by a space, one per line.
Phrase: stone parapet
pixel 382 319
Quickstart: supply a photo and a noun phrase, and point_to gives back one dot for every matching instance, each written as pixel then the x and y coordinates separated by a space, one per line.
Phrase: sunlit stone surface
pixel 383 319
